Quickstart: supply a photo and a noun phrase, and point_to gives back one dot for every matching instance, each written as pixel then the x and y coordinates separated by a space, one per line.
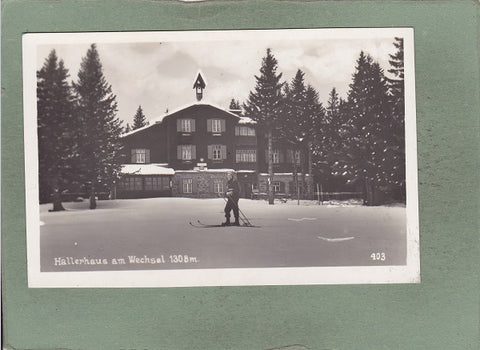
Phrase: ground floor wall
pixel 208 184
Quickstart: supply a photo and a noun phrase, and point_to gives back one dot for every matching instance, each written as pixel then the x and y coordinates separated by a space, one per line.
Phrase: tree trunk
pixel 369 196
pixel 310 169
pixel 270 168
pixel 295 176
pixel 93 202
pixel 56 197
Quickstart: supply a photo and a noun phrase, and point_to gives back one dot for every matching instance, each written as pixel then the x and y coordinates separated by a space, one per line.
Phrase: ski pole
pixel 243 216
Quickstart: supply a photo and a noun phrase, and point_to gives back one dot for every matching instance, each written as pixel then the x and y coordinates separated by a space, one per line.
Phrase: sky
pixel 160 75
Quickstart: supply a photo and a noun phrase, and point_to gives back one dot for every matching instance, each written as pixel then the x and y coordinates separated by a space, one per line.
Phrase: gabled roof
pixel 159 120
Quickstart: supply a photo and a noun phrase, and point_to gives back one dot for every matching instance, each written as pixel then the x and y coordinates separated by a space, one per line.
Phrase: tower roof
pixel 199 82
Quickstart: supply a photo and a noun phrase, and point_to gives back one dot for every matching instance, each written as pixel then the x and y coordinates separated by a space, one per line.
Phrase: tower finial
pixel 199 85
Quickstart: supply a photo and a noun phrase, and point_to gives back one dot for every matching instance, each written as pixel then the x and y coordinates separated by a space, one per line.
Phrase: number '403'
pixel 378 256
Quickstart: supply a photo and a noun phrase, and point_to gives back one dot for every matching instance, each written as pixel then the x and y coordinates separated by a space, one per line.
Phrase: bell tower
pixel 199 85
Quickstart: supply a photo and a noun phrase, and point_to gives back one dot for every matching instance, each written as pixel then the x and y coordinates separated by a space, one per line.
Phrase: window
pixel 244 131
pixel 216 125
pixel 187 185
pixel 291 154
pixel 297 157
pixel 218 186
pixel 246 156
pixel 140 155
pixel 217 152
pixel 131 183
pixel 275 156
pixel 187 152
pixel 157 183
pixel 186 125
pixel 276 186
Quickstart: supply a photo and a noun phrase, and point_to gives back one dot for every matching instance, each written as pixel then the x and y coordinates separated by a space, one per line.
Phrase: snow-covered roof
pixel 147 169
pixel 246 120
pixel 207 170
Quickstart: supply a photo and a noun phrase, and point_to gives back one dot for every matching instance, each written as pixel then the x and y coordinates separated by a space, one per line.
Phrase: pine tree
pixel 314 126
pixel 56 139
pixel 234 104
pixel 100 130
pixel 139 120
pixel 367 153
pixel 264 105
pixel 128 128
pixel 396 87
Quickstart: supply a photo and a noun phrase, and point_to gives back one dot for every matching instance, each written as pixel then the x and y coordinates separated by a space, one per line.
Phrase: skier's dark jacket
pixel 234 188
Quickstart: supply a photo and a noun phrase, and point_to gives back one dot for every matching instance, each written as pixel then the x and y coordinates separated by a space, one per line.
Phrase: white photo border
pixel 409 273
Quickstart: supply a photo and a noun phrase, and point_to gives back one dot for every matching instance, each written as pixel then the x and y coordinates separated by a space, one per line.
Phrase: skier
pixel 233 194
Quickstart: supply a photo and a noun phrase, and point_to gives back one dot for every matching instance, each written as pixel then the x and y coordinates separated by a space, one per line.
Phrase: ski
pixel 200 224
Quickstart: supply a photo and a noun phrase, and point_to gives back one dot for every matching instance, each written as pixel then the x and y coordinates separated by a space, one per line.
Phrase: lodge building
pixel 189 152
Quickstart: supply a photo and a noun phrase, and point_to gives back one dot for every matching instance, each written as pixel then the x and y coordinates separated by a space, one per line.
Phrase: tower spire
pixel 199 85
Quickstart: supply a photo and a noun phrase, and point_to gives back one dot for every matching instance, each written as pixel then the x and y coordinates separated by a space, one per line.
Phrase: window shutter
pixel 194 152
pixel 223 152
pixel 192 125
pixel 282 186
pixel 133 156
pixel 210 151
pixel 281 157
pixel 266 156
pixel 237 131
pixel 222 125
pixel 179 125
pixel 147 156
pixel 179 152
pixel 209 125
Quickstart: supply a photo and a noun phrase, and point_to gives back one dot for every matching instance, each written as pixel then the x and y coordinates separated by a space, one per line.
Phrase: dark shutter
pixel 179 125
pixel 222 125
pixel 134 160
pixel 237 131
pixel 223 152
pixel 192 125
pixel 210 152
pixel 179 152
pixel 209 125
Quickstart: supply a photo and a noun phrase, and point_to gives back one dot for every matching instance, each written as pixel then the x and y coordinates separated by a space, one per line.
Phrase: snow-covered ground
pixel 155 233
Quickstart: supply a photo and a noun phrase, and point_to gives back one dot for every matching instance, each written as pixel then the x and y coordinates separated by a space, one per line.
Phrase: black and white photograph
pixel 217 158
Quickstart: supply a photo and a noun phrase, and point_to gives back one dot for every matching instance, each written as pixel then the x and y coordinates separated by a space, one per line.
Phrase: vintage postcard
pixel 221 158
